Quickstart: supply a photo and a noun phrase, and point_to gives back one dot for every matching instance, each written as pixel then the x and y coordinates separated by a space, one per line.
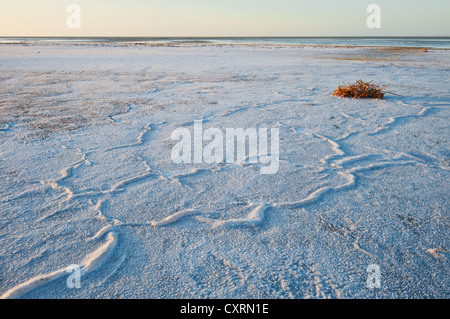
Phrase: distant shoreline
pixel 440 43
pixel 186 45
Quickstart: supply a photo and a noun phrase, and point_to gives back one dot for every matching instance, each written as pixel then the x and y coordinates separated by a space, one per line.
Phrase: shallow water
pixel 416 42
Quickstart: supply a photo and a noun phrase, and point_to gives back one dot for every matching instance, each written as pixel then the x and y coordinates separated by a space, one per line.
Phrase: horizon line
pixel 222 37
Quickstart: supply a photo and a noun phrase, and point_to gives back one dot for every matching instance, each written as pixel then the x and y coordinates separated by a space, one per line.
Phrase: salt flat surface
pixel 87 176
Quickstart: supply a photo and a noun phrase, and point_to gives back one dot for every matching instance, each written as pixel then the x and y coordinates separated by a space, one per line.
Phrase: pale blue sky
pixel 224 18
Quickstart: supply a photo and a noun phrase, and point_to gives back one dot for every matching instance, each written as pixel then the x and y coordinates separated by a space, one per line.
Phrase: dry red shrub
pixel 361 90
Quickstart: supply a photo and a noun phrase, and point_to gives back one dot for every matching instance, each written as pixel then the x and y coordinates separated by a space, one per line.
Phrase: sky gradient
pixel 155 18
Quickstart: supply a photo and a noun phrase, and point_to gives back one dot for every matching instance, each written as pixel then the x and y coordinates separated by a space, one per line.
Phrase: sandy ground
pixel 87 176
